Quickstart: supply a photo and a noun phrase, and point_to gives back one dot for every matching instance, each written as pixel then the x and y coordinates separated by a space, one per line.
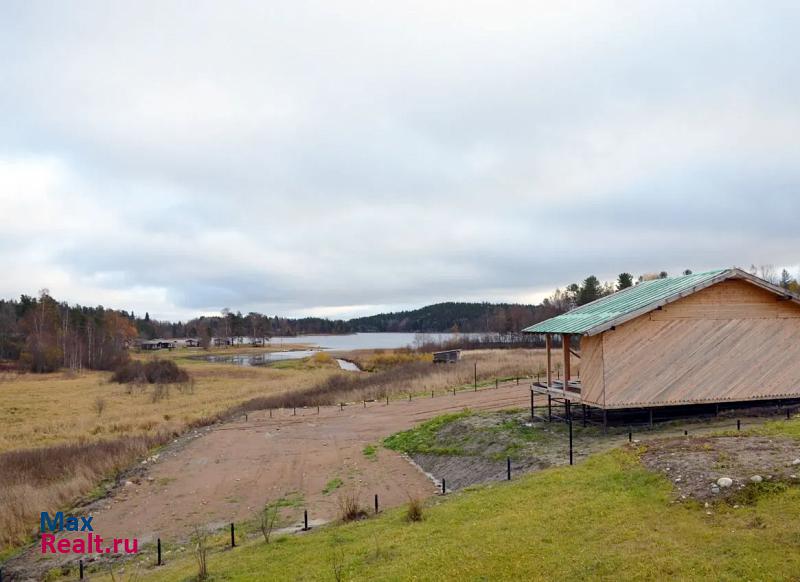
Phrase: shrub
pixel 152 372
pixel 414 510
pixel 350 506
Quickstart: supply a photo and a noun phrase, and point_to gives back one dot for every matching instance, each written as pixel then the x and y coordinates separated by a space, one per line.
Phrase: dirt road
pixel 230 472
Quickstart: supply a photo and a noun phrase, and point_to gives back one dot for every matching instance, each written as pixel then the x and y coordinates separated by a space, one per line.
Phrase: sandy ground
pixel 230 471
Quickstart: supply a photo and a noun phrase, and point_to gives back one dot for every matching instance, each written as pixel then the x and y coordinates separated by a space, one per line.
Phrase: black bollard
pixel 341 406
pixel 317 409
pixel 294 411
pixel 159 553
pixel 376 503
pixel 365 403
pixel 738 424
pixel 387 401
pixel 431 393
pixel 81 569
pixel 630 436
pixel 270 413
pixel 233 537
pixel 444 487
pixel 245 417
pixel 569 417
pixel 685 433
pixel 508 468
pixel 305 520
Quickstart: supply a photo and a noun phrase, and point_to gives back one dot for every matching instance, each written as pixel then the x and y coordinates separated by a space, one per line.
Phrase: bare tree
pixel 200 541
pixel 268 520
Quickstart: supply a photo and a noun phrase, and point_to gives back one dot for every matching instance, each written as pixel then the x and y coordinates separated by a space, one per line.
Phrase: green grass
pixel 422 439
pixel 605 519
pixel 370 452
pixel 332 486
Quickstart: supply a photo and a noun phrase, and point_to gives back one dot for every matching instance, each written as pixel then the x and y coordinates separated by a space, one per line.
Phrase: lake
pixel 355 341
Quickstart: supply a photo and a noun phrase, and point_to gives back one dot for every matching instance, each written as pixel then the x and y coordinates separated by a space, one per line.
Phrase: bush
pixel 414 510
pixel 152 372
pixel 350 508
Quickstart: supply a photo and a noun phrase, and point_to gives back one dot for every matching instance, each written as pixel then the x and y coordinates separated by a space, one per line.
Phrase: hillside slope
pixel 607 518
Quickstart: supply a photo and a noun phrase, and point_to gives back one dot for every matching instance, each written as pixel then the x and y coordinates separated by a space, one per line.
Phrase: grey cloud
pixel 308 156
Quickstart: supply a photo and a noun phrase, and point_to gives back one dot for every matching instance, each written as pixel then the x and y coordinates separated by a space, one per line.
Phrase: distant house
pixel 446 357
pixel 157 344
pixel 717 337
pixel 191 342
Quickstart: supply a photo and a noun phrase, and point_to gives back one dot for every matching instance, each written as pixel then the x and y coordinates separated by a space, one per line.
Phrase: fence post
pixel 454 391
pixel 233 537
pixel 305 520
pixel 508 468
pixel 569 418
pixel 630 436
pixel 159 553
pixel 476 376
pixel 532 411
pixel 376 503
pixel 431 393
pixel 387 400
pixel 81 568
pixel 738 424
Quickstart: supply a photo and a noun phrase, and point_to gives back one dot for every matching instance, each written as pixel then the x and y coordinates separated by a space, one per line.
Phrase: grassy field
pixel 46 409
pixel 58 442
pixel 62 434
pixel 607 518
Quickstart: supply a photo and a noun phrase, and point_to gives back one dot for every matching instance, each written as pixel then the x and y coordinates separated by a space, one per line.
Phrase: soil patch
pixel 694 465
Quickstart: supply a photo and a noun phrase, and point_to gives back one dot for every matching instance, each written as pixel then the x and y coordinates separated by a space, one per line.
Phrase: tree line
pixel 41 334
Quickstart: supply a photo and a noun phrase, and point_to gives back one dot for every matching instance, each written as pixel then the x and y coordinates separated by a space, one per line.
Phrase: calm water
pixel 356 341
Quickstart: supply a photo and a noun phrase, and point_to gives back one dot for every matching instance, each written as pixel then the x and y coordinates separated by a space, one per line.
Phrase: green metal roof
pixel 600 315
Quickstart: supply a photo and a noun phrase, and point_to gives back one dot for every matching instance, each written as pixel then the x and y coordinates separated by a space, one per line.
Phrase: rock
pixel 707 505
pixel 792 476
pixel 756 479
pixel 128 483
pixel 715 490
pixel 724 481
pixel 796 462
pixel 678 480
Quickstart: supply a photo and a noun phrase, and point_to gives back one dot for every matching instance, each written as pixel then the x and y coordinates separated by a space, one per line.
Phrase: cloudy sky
pixel 342 158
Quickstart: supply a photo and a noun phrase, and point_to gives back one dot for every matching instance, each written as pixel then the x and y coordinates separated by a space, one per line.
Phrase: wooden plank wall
pixel 732 341
pixel 592 370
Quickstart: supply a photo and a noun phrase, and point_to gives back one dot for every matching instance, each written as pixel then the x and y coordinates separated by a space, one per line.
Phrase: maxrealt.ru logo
pixel 90 543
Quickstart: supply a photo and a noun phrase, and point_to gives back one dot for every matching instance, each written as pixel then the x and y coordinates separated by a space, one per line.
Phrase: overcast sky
pixel 343 158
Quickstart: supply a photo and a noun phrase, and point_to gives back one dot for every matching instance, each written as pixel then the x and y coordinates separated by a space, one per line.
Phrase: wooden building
pixel 446 357
pixel 717 337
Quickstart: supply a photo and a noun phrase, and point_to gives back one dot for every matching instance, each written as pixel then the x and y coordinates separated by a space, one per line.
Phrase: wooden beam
pixel 565 348
pixel 548 342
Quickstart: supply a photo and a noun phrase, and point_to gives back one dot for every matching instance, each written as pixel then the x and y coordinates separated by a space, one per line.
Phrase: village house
pixel 722 336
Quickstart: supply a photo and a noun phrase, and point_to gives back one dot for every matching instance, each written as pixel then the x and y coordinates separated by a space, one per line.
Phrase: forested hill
pixel 454 316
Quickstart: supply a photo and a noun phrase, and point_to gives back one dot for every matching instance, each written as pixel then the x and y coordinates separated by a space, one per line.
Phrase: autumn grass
pixel 45 410
pixel 52 426
pixel 410 378
pixel 607 518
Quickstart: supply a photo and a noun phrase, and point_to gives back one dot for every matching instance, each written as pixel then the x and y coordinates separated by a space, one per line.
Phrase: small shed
pixel 446 357
pixel 716 337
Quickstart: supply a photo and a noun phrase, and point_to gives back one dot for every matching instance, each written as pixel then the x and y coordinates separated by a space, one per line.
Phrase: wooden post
pixel 548 343
pixel 565 344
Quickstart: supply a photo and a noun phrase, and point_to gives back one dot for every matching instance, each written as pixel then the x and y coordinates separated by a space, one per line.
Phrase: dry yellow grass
pixel 46 409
